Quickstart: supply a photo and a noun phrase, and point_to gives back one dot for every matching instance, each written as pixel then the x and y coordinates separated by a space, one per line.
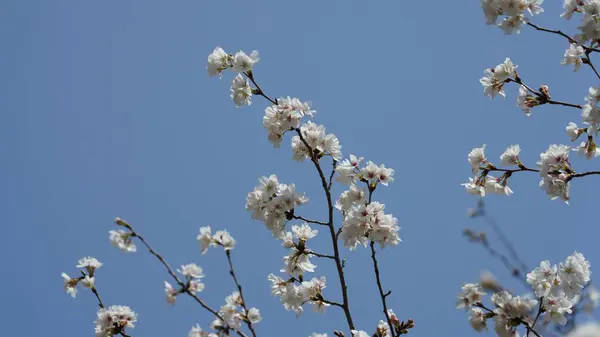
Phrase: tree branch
pixel 310 221
pixel 381 293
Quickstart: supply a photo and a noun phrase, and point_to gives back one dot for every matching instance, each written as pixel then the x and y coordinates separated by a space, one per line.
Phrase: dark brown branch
pixel 537 316
pixel 95 292
pixel 239 286
pixel 333 168
pixel 561 33
pixel 260 92
pixel 322 223
pixel 322 255
pixel 579 175
pixel 381 293
pixel 543 99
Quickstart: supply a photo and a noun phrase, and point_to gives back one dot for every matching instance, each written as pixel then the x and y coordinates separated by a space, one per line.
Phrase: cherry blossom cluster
pixel 274 203
pixel 234 313
pixel 365 221
pixel 114 320
pixel 220 238
pixel 88 266
pixel 556 289
pixel 294 293
pixel 285 115
pixel 219 61
pixel 590 11
pixel 193 275
pixel 316 139
pixel 512 13
pixel 297 262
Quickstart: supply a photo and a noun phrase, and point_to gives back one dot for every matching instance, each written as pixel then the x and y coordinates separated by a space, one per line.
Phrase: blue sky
pixel 107 111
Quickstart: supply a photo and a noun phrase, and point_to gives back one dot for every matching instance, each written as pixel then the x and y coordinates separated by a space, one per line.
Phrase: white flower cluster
pixel 272 202
pixel 114 320
pixel 321 143
pixel 590 11
pixel 293 296
pixel 122 239
pixel 220 238
pixel 494 79
pixel 555 170
pixel 365 221
pixel 234 314
pixel 349 172
pixel 591 117
pixel 513 12
pixel 219 60
pixel 483 183
pixel 557 288
pixel 196 331
pixel 285 116
pixel 560 286
pixel 88 267
pixel 193 275
pixel 297 262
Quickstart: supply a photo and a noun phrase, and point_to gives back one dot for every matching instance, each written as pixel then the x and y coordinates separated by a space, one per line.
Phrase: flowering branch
pixel 239 286
pixel 381 293
pixel 184 287
pixel 101 305
pixel 332 232
pixel 542 97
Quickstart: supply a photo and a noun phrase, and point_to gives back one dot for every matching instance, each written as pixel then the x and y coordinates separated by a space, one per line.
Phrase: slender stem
pixel 381 293
pixel 540 308
pixel 333 168
pixel 239 286
pixel 322 255
pixel 559 32
pixel 250 75
pixel 564 104
pixel 578 175
pixel 332 303
pixel 322 223
pixel 95 292
pixel 588 61
pixel 542 98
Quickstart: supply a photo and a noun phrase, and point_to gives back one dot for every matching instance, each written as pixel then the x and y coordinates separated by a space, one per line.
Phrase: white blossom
pixel 253 315
pixel 218 61
pixel 70 285
pixel 570 6
pixel 587 149
pixel 170 292
pixel 122 239
pixel 350 197
pixel 575 274
pixel 542 278
pixel 205 238
pixel 348 170
pixel 113 320
pixel 573 131
pixel 574 55
pixel 191 271
pixel 243 62
pixel 321 143
pixel 241 92
pixel 312 292
pixel 477 319
pixel 511 155
pixel 512 24
pixel 526 101
pixel 556 308
pixel 471 294
pixel 477 158
pixel 90 264
pixel 491 86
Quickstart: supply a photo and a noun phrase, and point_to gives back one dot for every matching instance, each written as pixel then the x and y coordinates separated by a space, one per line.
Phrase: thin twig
pixel 250 76
pixel 333 168
pixel 381 293
pixel 239 286
pixel 322 223
pixel 95 292
pixel 322 255
pixel 559 32
pixel 540 309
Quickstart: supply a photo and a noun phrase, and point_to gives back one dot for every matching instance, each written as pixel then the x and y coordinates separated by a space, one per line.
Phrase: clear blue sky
pixel 107 111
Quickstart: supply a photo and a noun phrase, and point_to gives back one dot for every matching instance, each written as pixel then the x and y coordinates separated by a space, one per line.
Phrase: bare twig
pixel 322 255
